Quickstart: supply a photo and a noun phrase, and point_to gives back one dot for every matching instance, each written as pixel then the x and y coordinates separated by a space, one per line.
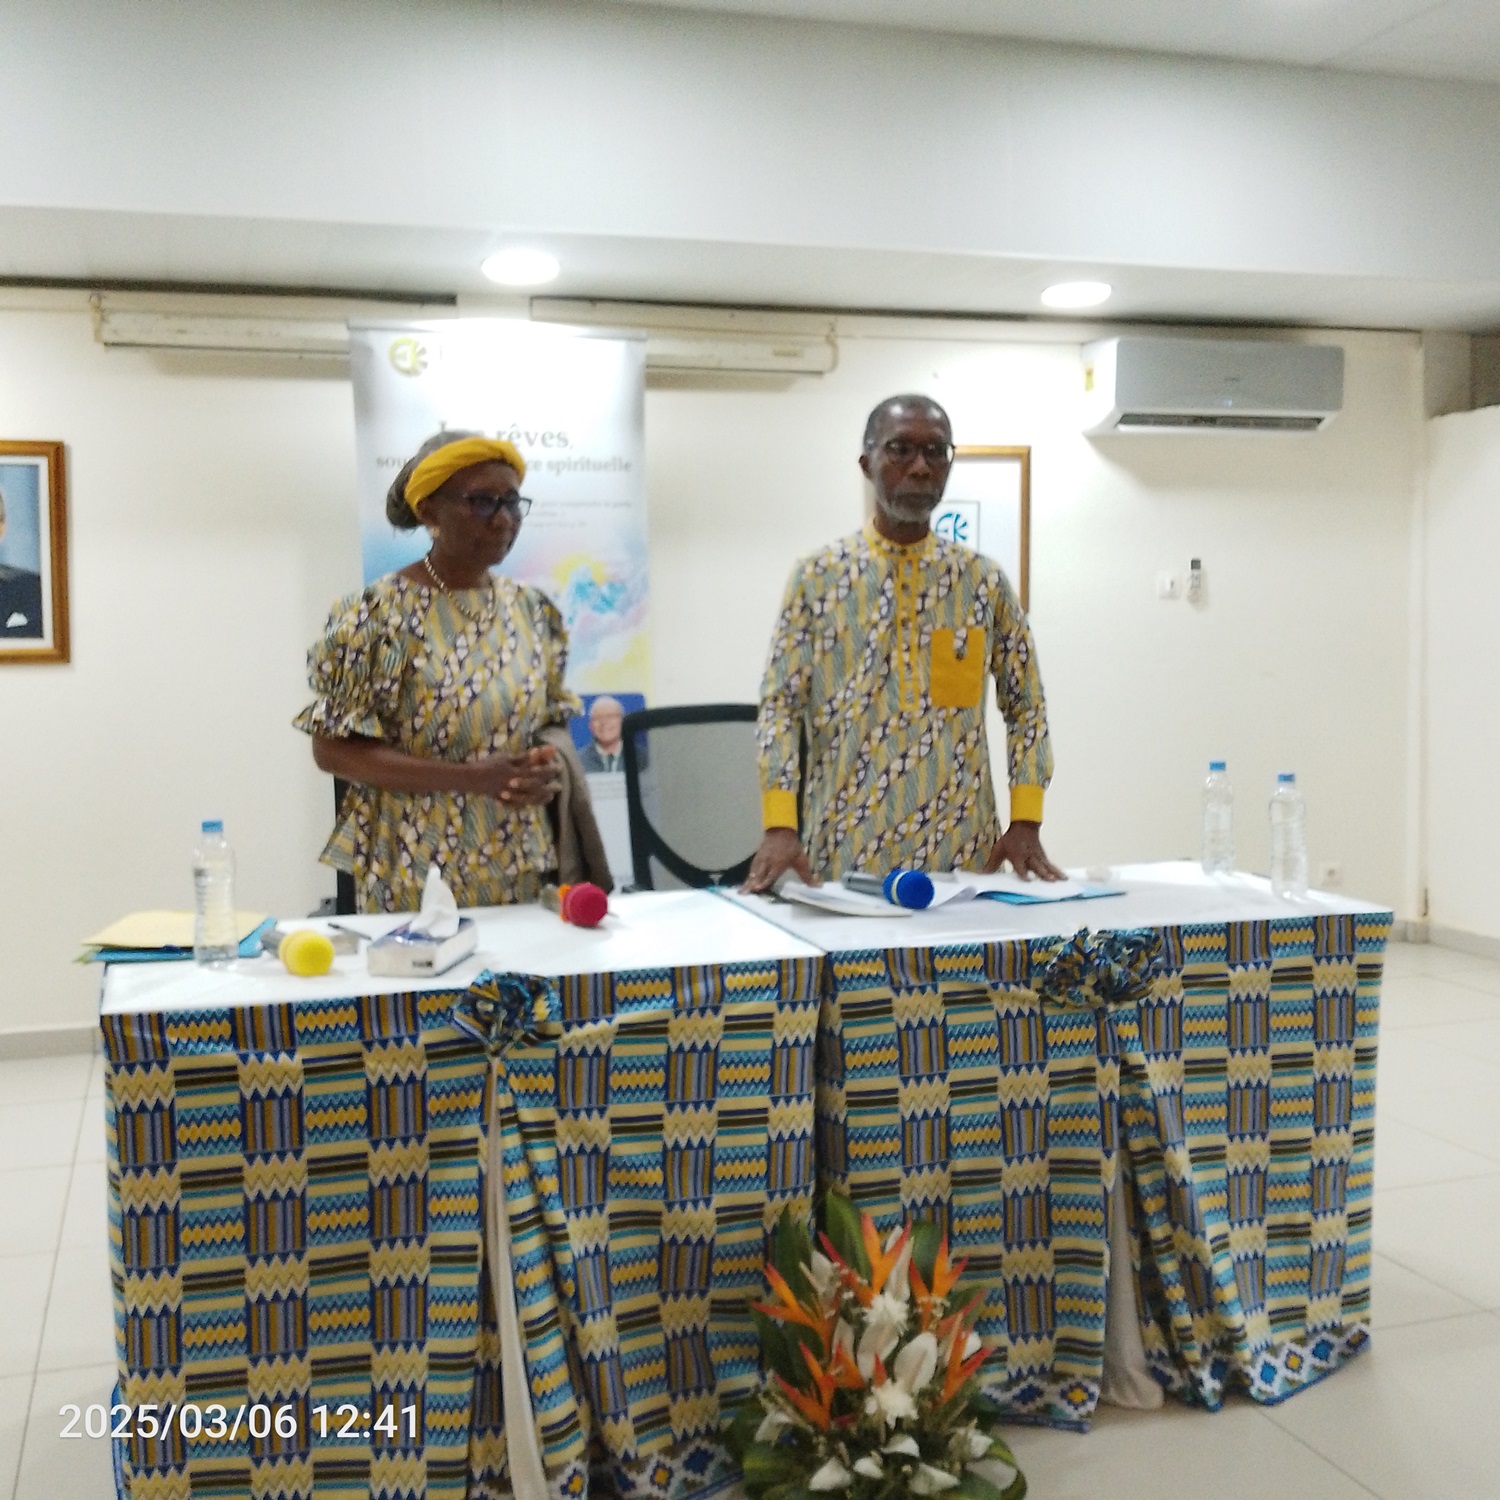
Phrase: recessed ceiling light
pixel 518 265
pixel 1077 294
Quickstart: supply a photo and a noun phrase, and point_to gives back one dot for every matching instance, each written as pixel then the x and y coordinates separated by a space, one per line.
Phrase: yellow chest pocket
pixel 956 678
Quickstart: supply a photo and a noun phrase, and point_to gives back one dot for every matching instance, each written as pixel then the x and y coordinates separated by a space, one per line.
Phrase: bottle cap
pixel 213 825
pixel 1286 778
pixel 1217 765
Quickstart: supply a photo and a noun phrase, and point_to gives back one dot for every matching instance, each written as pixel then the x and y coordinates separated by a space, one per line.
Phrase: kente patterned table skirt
pixel 1230 1067
pixel 297 1192
pixel 297 1229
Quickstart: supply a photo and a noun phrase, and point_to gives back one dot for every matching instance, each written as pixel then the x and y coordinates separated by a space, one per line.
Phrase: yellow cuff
pixel 778 809
pixel 1026 804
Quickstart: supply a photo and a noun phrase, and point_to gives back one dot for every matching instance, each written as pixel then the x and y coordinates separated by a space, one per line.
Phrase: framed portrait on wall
pixel 33 553
pixel 987 506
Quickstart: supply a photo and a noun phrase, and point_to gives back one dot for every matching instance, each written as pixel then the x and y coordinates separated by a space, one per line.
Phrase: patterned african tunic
pixel 880 658
pixel 447 676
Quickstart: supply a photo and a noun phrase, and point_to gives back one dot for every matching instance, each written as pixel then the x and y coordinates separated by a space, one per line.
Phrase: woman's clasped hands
pixel 531 779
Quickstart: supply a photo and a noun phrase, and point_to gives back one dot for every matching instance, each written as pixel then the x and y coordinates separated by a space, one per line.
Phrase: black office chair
pixel 692 792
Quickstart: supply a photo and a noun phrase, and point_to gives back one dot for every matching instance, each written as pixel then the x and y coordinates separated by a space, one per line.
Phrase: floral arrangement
pixel 872 1356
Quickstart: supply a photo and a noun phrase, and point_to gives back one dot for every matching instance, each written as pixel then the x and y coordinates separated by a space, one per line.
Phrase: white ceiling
pixel 677 152
pixel 1419 38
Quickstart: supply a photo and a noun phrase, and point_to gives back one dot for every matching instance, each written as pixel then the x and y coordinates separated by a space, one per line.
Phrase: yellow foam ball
pixel 306 953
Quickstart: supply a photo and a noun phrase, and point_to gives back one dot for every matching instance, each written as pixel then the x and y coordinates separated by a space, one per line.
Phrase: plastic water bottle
pixel 1218 821
pixel 215 940
pixel 1288 838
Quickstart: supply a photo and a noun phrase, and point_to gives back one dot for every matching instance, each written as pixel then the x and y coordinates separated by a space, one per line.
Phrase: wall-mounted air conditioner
pixel 1210 385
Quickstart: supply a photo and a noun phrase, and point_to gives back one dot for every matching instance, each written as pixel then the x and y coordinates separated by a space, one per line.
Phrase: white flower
pixel 916 1363
pixel 885 1321
pixel 892 1402
pixel 979 1444
pixel 822 1276
pixel 832 1476
pixel 906 1443
pixel 898 1283
pixel 972 1345
pixel 930 1481
pixel 870 1466
pixel 771 1424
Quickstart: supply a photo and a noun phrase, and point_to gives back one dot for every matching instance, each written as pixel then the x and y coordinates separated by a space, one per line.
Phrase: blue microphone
pixel 908 888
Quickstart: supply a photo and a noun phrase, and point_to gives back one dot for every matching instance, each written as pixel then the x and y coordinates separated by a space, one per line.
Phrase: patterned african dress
pixel 446 675
pixel 880 659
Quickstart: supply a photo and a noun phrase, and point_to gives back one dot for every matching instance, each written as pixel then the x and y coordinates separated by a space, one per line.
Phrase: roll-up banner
pixel 573 402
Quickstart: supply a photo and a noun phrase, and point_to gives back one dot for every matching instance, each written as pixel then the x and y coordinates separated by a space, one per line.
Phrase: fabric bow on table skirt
pixel 992 1087
pixel 652 1125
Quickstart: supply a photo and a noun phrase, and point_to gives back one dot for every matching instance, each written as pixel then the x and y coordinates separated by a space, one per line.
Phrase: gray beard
pixel 907 513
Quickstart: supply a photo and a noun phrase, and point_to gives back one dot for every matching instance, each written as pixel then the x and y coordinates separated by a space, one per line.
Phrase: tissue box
pixel 410 955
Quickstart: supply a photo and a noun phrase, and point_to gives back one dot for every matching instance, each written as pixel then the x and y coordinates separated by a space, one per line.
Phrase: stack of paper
pixel 159 936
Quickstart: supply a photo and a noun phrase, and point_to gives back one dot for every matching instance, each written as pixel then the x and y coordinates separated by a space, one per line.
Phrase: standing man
pixel 879 662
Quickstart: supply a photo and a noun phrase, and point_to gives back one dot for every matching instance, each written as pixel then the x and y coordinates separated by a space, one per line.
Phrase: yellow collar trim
pixel 896 549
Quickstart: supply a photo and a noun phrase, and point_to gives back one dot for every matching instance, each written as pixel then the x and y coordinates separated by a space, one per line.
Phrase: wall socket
pixel 1330 876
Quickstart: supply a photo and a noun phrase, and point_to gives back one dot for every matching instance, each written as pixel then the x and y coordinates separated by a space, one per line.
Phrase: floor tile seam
pixel 1270 1414
pixel 1469 1311
pixel 1426 1129
pixel 52 1279
pixel 1412 1187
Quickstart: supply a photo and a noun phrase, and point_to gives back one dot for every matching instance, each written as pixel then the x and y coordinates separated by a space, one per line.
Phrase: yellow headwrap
pixel 443 463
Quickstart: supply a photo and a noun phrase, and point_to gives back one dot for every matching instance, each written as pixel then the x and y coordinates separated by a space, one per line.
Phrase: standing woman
pixel 433 686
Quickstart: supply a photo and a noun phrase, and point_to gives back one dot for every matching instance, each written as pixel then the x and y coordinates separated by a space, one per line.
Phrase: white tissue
pixel 438 917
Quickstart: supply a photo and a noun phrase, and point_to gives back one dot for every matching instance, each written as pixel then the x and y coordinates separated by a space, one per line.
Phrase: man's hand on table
pixel 780 850
pixel 1021 846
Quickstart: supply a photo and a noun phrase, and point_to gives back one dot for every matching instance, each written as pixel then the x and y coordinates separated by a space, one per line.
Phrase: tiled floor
pixel 1413 1418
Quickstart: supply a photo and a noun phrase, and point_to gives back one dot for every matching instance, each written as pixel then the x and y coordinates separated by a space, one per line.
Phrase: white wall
pixel 1463 646
pixel 213 523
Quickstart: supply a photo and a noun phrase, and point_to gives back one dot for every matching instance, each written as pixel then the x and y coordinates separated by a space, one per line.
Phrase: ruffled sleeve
pixel 355 670
pixel 563 705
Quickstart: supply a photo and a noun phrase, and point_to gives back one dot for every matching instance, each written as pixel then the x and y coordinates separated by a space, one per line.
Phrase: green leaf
pixel 972 1487
pixel 778 1351
pixel 741 1429
pixel 790 1251
pixel 982 1405
pixel 766 1467
pixel 926 1241
pixel 841 1221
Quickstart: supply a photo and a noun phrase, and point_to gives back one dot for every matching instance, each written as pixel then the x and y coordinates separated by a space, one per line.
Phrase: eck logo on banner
pixel 574 403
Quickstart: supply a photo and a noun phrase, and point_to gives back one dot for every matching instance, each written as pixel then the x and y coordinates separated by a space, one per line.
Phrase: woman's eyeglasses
pixel 486 505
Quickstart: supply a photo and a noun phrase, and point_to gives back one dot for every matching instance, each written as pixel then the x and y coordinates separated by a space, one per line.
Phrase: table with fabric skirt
pixel 498 1236
pixel 1203 1049
pixel 308 1297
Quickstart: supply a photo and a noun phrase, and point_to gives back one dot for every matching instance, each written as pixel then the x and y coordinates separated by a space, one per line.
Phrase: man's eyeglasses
pixel 938 455
pixel 485 505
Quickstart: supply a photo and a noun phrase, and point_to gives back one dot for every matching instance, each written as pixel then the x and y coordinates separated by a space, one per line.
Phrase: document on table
pixel 1014 891
pixel 833 897
pixel 163 929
